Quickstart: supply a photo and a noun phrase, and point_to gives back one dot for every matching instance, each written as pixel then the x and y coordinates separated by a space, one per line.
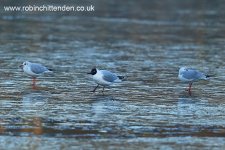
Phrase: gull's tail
pixel 207 77
pixel 121 77
pixel 49 71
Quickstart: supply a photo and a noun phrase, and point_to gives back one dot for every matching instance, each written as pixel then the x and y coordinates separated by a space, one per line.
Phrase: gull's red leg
pixel 33 83
pixel 189 89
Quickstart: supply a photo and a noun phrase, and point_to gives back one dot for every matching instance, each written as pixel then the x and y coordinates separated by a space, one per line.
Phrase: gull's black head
pixel 93 71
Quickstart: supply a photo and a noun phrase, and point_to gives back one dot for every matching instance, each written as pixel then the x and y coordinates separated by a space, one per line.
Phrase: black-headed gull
pixel 34 70
pixel 191 75
pixel 104 78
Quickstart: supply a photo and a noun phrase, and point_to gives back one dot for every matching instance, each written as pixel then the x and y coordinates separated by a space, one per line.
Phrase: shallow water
pixel 150 109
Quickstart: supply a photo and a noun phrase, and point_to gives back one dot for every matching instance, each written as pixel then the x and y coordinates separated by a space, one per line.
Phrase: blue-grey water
pixel 146 41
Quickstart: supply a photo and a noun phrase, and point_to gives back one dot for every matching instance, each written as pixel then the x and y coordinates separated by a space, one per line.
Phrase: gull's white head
pixel 183 69
pixel 26 63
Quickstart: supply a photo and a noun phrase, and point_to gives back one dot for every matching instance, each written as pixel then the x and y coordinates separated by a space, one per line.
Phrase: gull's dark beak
pixel 89 73
pixel 21 66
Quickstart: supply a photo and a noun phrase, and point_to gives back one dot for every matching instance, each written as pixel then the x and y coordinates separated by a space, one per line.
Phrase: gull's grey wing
pixel 108 76
pixel 192 74
pixel 38 68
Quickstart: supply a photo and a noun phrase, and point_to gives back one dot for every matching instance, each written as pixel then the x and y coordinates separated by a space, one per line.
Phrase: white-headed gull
pixel 190 75
pixel 34 70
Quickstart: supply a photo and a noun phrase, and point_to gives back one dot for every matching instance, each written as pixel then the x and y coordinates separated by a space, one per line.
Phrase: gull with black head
pixel 104 78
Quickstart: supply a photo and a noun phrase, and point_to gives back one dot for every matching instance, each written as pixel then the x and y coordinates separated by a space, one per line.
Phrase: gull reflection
pixel 189 106
pixel 34 103
pixel 105 108
pixel 33 106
